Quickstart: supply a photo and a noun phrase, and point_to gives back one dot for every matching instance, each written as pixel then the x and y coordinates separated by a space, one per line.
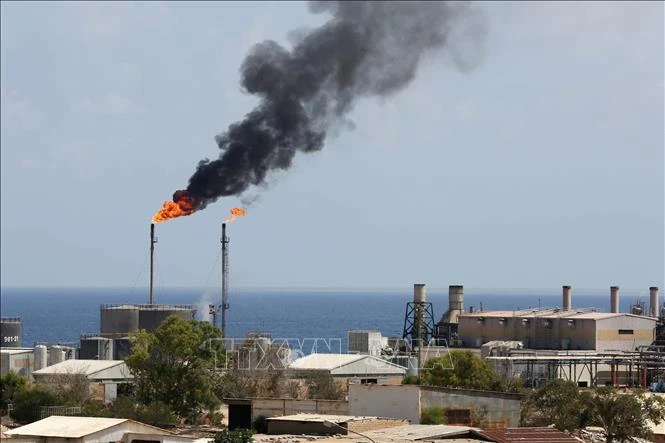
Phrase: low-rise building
pixel 103 376
pixel 351 368
pixel 56 429
pixel 19 360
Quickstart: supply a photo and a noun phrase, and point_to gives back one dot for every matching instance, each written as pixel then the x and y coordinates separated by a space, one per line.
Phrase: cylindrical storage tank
pixel 121 348
pixel 96 348
pixel 10 332
pixel 567 301
pixel 614 299
pixel 119 319
pixel 151 316
pixel 41 357
pixel 456 298
pixel 653 301
pixel 419 293
pixel 55 355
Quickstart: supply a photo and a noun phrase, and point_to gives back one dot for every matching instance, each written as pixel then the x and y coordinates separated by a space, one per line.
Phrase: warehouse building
pixel 558 329
pixel 351 368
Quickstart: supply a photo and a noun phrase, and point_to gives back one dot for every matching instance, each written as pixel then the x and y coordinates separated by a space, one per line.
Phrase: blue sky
pixel 541 166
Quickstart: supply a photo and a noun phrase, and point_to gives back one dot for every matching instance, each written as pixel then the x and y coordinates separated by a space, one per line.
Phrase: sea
pixel 318 319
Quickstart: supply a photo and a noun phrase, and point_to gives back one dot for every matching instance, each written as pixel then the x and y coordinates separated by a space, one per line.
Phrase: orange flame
pixel 182 204
pixel 235 213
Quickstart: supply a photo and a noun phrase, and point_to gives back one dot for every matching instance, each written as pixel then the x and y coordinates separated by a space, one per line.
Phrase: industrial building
pixel 558 329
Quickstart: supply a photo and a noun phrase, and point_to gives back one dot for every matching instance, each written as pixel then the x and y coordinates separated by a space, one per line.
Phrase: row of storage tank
pixel 51 355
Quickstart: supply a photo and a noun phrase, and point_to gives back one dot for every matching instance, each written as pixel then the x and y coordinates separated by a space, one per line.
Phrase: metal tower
pixel 225 278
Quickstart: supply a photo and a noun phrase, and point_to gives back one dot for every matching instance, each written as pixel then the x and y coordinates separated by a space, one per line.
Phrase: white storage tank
pixel 55 355
pixel 41 357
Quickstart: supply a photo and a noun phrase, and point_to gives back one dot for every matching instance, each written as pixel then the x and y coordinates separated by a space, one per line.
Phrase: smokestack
pixel 152 260
pixel 614 299
pixel 567 298
pixel 225 277
pixel 419 293
pixel 653 301
pixel 456 298
pixel 365 49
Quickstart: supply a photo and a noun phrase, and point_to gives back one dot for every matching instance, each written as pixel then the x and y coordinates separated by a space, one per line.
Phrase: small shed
pixel 103 376
pixel 89 429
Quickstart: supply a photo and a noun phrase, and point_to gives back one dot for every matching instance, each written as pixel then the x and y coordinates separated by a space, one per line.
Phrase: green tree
pixel 10 384
pixel 28 400
pixel 558 402
pixel 461 369
pixel 175 365
pixel 625 415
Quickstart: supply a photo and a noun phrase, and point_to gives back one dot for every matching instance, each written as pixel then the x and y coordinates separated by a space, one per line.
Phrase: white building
pixel 56 429
pixel 102 375
pixel 355 368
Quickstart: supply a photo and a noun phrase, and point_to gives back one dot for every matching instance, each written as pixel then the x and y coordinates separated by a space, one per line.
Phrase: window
pixel 625 332
pixel 458 416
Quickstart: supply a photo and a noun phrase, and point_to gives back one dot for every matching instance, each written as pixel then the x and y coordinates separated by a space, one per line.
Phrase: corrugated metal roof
pixel 85 367
pixel 331 362
pixel 78 427
pixel 320 418
pixel 419 432
pixel 527 435
pixel 67 427
pixel 325 361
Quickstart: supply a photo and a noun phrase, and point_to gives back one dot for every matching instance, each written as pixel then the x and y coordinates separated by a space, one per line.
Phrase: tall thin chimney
pixel 614 299
pixel 456 298
pixel 225 278
pixel 653 301
pixel 152 261
pixel 567 298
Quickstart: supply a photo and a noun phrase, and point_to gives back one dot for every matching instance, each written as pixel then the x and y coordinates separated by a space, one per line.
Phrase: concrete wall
pixel 535 332
pixel 19 362
pixel 609 338
pixel 501 409
pixel 401 401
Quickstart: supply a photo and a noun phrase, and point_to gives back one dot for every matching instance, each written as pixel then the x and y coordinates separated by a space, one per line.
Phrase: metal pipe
pixel 225 278
pixel 152 261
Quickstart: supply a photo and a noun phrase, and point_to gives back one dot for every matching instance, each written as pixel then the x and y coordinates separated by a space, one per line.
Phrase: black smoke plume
pixel 365 49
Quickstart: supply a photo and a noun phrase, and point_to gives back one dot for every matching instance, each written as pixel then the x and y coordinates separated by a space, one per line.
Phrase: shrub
pixel 260 424
pixel 28 401
pixel 432 416
pixel 237 436
pixel 411 380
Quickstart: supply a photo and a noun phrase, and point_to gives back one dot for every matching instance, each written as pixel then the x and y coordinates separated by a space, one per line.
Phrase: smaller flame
pixel 235 213
pixel 182 204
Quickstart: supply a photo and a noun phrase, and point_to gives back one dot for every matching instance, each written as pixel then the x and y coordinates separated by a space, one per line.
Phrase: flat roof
pixel 73 366
pixel 551 313
pixel 12 351
pixel 320 418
